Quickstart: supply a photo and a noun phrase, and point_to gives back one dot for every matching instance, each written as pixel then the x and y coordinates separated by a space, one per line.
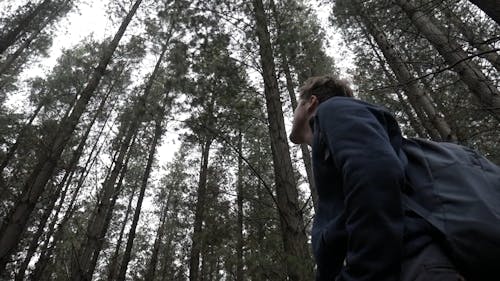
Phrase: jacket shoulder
pixel 346 102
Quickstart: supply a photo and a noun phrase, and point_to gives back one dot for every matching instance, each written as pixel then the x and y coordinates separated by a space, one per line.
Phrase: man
pixel 361 230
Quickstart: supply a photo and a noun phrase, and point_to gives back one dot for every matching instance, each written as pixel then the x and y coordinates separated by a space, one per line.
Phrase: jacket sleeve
pixel 372 175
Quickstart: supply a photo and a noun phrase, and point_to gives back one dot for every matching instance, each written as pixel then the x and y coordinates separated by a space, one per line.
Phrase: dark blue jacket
pixel 361 231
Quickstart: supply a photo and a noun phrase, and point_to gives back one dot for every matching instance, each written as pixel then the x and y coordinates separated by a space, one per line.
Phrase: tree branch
pixel 435 72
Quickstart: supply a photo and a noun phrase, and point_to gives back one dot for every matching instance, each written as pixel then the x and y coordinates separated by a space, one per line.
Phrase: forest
pixel 161 152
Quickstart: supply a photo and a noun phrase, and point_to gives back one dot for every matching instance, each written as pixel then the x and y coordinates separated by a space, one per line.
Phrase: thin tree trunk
pixel 109 213
pixel 56 235
pixel 167 259
pixel 204 272
pixel 298 260
pixel 14 56
pixel 470 37
pixel 40 229
pixel 194 258
pixel 114 259
pixel 57 232
pixel 306 155
pixel 34 32
pixel 137 212
pixel 418 125
pixel 16 222
pixel 239 202
pixel 490 7
pixel 468 71
pixel 439 105
pixel 13 148
pixel 27 42
pixel 65 181
pixel 10 37
pixel 151 269
pixel 97 229
pixel 84 262
pixel 415 94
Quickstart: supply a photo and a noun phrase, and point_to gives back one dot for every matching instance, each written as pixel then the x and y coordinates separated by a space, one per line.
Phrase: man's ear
pixel 313 104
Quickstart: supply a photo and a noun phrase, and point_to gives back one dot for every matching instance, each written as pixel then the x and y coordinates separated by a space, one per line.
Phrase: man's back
pixel 360 155
pixel 356 153
pixel 392 208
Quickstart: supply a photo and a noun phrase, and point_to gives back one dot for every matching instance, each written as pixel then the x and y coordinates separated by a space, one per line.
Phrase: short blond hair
pixel 325 87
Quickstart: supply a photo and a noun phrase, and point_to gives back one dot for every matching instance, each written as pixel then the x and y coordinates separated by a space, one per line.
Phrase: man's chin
pixel 295 139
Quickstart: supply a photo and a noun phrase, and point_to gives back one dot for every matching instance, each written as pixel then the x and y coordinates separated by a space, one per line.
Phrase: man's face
pixel 301 131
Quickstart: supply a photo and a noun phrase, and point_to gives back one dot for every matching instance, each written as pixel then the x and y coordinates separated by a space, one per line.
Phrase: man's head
pixel 325 87
pixel 314 91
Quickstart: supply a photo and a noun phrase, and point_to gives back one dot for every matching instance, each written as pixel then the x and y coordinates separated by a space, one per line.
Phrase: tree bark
pixel 298 260
pixel 97 230
pixel 151 269
pixel 33 245
pixel 471 38
pixel 420 125
pixel 84 263
pixel 306 155
pixel 414 92
pixel 16 222
pixel 167 259
pixel 490 7
pixel 56 235
pixel 468 71
pixel 114 259
pixel 65 181
pixel 239 204
pixel 194 257
pixel 137 212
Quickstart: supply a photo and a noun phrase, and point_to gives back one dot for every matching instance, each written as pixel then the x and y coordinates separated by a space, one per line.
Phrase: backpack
pixel 458 192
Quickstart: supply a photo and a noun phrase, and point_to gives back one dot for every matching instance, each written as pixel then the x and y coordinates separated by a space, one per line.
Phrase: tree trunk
pixel 33 245
pixel 56 235
pixel 471 38
pixel 84 263
pixel 298 260
pixel 167 260
pixel 27 42
pixel 14 56
pixel 468 71
pixel 420 125
pixel 415 94
pixel 114 259
pixel 65 181
pixel 10 37
pixel 137 212
pixel 436 99
pixel 239 204
pixel 306 155
pixel 13 148
pixel 194 258
pixel 490 7
pixel 15 223
pixel 151 269
pixel 97 230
